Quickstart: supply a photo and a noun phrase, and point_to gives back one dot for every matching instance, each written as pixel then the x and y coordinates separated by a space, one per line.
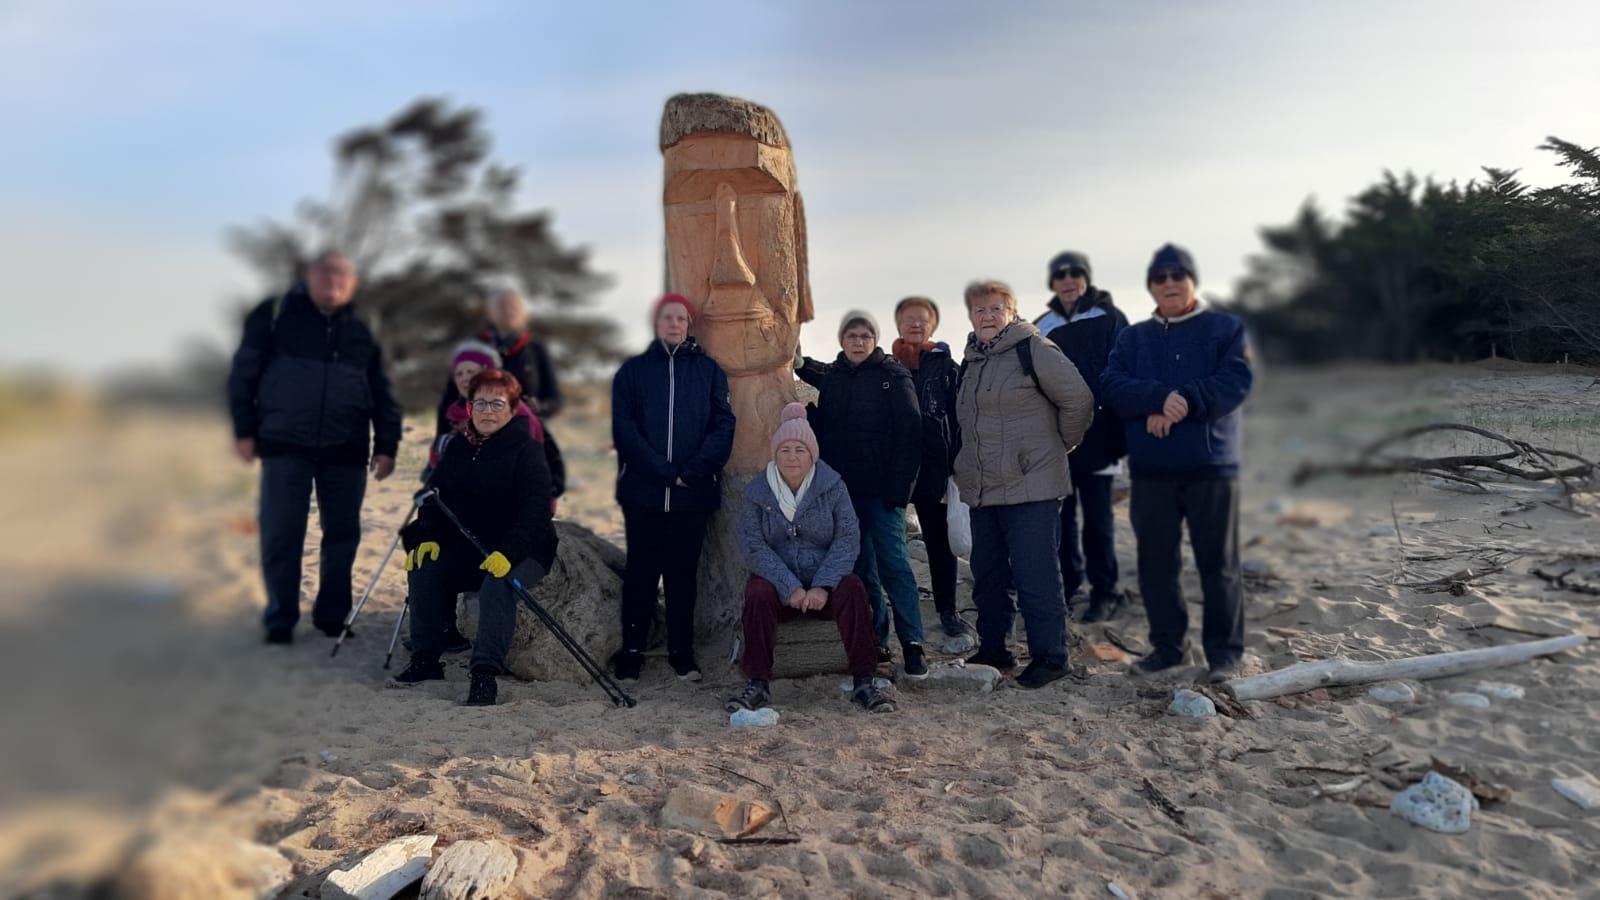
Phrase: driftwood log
pixel 1340 671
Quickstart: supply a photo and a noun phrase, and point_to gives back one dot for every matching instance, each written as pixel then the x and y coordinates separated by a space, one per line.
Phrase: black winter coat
pixel 935 378
pixel 311 384
pixel 500 490
pixel 671 419
pixel 867 423
pixel 1087 339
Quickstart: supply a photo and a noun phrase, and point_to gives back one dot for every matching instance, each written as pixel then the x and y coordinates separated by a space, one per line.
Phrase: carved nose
pixel 729 268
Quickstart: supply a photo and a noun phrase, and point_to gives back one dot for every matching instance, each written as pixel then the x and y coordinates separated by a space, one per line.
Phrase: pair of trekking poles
pixel 613 691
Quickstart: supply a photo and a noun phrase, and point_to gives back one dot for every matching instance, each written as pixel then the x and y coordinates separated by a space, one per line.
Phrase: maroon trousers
pixel 847 607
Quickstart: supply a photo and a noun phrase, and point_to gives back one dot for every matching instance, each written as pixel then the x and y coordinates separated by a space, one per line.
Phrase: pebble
pixel 1191 705
pixel 765 717
pixel 1256 567
pixel 1499 690
pixel 328 757
pixel 1382 531
pixel 1279 505
pixel 961 643
pixel 1392 692
pixel 1437 804
pixel 1471 701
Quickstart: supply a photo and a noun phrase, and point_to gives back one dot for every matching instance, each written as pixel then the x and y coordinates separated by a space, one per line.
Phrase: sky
pixel 936 142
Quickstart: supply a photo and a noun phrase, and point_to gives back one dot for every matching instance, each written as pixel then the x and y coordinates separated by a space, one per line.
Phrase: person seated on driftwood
pixel 494 478
pixel 800 538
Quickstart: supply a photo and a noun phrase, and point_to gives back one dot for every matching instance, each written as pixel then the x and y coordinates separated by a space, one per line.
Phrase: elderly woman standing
pixel 1022 407
pixel 934 374
pixel 493 476
pixel 800 538
pixel 672 426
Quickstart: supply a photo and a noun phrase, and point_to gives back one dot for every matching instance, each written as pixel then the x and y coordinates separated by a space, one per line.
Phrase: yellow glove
pixel 497 565
pixel 425 550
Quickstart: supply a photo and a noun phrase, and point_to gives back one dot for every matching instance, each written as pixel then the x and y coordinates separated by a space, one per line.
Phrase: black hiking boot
pixel 1225 670
pixel 1103 609
pixel 483 690
pixel 418 671
pixel 953 625
pixel 755 695
pixel 1000 659
pixel 1156 661
pixel 280 636
pixel 1040 673
pixel 915 667
pixel 869 697
pixel 685 667
pixel 629 664
pixel 885 656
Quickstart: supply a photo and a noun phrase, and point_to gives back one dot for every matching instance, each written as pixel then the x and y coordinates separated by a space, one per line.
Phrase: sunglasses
pixel 488 405
pixel 1074 272
pixel 1168 275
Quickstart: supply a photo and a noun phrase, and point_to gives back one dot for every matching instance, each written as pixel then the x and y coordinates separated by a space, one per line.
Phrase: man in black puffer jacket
pixel 1087 336
pixel 870 432
pixel 307 384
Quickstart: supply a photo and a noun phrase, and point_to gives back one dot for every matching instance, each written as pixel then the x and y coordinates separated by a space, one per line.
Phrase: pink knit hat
pixel 477 352
pixel 795 428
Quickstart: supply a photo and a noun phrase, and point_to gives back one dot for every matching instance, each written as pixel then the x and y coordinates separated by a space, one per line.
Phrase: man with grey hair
pixel 309 397
pixel 521 355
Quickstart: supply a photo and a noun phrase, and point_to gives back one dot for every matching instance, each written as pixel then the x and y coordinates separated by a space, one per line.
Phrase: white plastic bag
pixel 958 520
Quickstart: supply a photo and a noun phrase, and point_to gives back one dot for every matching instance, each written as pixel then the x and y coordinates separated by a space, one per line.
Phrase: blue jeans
pixel 433 601
pixel 884 566
pixel 1016 544
pixel 286 486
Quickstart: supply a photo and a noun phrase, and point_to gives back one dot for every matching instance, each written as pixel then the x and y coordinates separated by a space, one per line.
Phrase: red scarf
pixel 910 355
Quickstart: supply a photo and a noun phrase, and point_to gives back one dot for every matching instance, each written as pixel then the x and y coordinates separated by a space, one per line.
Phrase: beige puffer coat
pixel 1015 436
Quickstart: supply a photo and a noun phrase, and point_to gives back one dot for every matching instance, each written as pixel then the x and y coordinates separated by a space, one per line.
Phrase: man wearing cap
pixel 309 397
pixel 1086 336
pixel 870 432
pixel 1178 381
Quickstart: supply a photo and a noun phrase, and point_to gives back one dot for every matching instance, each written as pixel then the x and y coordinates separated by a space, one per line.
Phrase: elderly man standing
pixel 307 392
pixel 525 358
pixel 1178 380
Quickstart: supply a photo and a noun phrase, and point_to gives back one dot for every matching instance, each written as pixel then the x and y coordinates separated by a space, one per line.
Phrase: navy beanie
pixel 1069 259
pixel 1171 256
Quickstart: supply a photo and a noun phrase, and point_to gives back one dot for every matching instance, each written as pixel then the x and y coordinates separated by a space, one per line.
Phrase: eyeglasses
pixel 488 405
pixel 1074 272
pixel 1168 275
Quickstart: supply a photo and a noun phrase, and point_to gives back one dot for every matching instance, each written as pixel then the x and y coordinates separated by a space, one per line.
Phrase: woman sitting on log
pixel 494 478
pixel 800 538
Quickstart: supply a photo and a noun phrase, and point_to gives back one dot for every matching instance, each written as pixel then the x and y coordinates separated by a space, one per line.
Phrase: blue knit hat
pixel 1068 259
pixel 1171 256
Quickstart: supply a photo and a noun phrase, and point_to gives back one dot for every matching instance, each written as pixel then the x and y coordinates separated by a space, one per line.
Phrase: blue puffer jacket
pixel 818 549
pixel 1205 358
pixel 671 419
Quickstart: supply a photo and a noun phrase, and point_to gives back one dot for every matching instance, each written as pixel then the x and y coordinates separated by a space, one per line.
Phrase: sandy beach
pixel 143 703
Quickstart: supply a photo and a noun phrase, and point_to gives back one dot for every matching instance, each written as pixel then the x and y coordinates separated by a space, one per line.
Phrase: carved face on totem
pixel 735 229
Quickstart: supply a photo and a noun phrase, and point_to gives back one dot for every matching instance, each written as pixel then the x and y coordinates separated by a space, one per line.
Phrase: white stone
pixel 1469 700
pixel 765 717
pixel 471 870
pixel 917 550
pixel 961 643
pixel 1191 704
pixel 1582 791
pixel 1392 692
pixel 981 679
pixel 1437 804
pixel 384 872
pixel 1499 690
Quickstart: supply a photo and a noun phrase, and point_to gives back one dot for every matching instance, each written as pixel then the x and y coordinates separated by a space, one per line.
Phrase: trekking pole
pixel 395 638
pixel 601 677
pixel 356 610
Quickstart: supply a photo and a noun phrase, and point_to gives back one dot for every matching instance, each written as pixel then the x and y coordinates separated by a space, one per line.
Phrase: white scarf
pixel 788 501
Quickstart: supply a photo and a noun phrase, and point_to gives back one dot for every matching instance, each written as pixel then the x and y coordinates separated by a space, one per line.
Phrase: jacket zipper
pixel 672 414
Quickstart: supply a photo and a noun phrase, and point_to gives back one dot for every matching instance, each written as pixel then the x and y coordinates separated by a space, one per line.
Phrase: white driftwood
pixel 1341 671
pixel 384 872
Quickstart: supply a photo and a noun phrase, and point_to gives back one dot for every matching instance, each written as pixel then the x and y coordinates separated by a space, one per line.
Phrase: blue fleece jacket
pixel 1203 356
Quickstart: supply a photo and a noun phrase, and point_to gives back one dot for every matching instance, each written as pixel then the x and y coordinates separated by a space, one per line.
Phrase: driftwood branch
pixel 1520 459
pixel 1340 671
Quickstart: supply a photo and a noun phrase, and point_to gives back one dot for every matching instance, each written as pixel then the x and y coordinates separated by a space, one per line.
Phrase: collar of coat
pixel 875 358
pixel 1010 336
pixel 1199 307
pixel 825 479
pixel 689 347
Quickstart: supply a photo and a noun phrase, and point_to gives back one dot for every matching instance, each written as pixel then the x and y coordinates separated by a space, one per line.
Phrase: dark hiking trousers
pixel 286 485
pixel 1211 507
pixel 931 514
pixel 1011 545
pixel 434 587
pixel 662 547
pixel 847 606
pixel 1096 558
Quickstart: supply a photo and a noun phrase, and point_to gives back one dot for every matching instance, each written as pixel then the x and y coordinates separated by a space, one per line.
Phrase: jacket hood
pixel 1012 335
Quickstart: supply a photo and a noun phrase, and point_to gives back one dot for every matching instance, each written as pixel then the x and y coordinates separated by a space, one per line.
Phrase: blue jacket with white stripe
pixel 671 420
